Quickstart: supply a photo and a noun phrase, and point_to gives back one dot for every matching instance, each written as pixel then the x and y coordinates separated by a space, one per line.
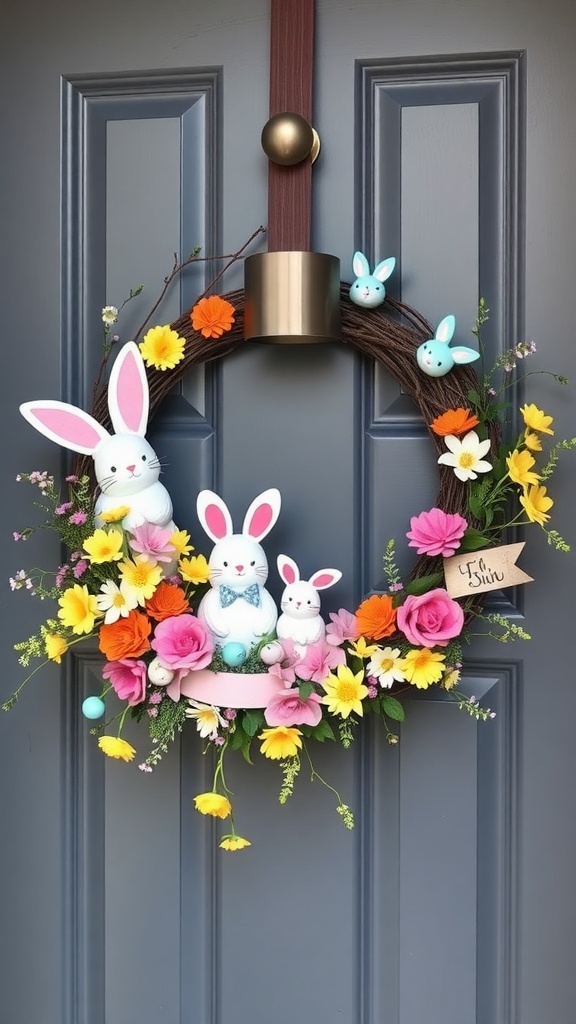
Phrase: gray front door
pixel 130 131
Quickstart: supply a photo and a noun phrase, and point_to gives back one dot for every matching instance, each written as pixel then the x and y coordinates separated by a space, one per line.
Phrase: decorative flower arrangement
pixel 136 587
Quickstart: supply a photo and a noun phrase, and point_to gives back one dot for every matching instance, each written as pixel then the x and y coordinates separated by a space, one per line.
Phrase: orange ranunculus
pixel 454 421
pixel 376 617
pixel 166 601
pixel 212 316
pixel 126 638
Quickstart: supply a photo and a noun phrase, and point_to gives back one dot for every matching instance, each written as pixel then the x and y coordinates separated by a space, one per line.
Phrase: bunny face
pixel 125 464
pixel 238 562
pixel 436 358
pixel 368 289
pixel 300 601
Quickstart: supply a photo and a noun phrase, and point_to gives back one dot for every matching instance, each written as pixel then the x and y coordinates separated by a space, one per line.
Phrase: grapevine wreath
pixel 136 587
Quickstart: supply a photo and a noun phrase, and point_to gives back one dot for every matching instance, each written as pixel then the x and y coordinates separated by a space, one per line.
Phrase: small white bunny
pixel 301 621
pixel 126 466
pixel 238 609
pixel 368 289
pixel 436 358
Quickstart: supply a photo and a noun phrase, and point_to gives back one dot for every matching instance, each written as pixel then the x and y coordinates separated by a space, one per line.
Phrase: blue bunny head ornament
pixel 368 288
pixel 436 358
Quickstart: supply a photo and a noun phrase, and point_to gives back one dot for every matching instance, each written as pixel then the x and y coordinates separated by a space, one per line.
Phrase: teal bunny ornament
pixel 368 289
pixel 436 358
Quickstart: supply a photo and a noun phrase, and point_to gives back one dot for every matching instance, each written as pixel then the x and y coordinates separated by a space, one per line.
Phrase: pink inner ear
pixel 324 580
pixel 69 427
pixel 288 574
pixel 261 519
pixel 216 521
pixel 130 394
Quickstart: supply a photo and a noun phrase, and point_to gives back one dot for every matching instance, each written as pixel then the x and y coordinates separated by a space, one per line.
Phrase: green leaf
pixel 305 688
pixel 423 584
pixel 393 708
pixel 473 540
pixel 474 397
pixel 322 731
pixel 252 721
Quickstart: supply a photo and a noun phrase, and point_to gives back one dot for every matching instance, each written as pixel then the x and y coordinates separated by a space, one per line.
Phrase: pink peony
pixel 288 708
pixel 319 661
pixel 285 669
pixel 181 641
pixel 431 620
pixel 128 678
pixel 343 626
pixel 152 542
pixel 436 532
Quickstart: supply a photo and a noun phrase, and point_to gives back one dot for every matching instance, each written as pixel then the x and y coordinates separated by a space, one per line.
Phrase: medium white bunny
pixel 238 608
pixel 436 358
pixel 301 621
pixel 126 466
pixel 368 289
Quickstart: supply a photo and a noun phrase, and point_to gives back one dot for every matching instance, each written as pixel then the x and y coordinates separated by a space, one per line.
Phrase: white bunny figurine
pixel 436 358
pixel 368 289
pixel 238 609
pixel 126 466
pixel 301 621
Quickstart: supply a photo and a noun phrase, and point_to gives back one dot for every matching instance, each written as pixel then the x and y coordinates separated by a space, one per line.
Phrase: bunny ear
pixel 383 270
pixel 325 578
pixel 128 393
pixel 445 329
pixel 65 424
pixel 360 265
pixel 262 514
pixel 214 515
pixel 461 354
pixel 289 571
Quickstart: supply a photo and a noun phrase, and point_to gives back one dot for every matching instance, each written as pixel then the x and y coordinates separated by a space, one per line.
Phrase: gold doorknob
pixel 288 139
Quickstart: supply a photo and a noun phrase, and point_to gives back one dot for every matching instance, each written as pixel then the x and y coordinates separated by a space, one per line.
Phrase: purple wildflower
pixel 230 714
pixel 72 479
pixel 61 509
pixel 152 712
pixel 156 697
pixel 78 518
pixel 61 575
pixel 80 568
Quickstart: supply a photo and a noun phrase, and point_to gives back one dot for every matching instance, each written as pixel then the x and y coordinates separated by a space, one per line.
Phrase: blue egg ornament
pixel 93 707
pixel 234 654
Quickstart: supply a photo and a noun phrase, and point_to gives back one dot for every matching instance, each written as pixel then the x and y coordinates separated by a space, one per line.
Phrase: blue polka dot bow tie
pixel 251 594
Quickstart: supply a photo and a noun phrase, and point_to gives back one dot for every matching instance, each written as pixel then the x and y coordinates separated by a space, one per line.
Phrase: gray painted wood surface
pixel 131 130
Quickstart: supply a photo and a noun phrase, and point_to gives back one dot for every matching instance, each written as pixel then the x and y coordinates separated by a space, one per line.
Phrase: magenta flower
pixel 288 708
pixel 182 642
pixel 342 627
pixel 152 542
pixel 128 678
pixel 431 620
pixel 436 532
pixel 319 661
pixel 78 518
pixel 80 568
pixel 61 510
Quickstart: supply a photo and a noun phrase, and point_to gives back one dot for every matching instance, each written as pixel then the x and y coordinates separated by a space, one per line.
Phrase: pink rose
pixel 436 532
pixel 181 641
pixel 288 708
pixel 433 619
pixel 128 678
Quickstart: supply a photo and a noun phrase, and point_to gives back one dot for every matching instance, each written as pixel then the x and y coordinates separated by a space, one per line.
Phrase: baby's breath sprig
pixel 511 631
pixel 290 771
pixel 391 570
pixel 554 454
pixel 472 706
pixel 346 732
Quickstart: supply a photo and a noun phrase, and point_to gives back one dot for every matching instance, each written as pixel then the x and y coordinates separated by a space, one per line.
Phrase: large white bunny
pixel 301 621
pixel 238 609
pixel 126 466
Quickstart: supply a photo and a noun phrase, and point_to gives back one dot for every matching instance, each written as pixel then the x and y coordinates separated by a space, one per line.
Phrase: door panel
pixel 132 133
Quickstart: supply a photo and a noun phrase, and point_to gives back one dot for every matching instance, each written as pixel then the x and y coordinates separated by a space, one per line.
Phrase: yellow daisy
pixel 532 441
pixel 362 649
pixel 280 742
pixel 345 692
pixel 536 419
pixel 104 546
pixel 194 570
pixel 422 667
pixel 162 348
pixel 520 468
pixel 180 541
pixel 78 609
pixel 55 647
pixel 213 803
pixel 234 843
pixel 536 504
pixel 140 576
pixel 115 746
pixel 114 515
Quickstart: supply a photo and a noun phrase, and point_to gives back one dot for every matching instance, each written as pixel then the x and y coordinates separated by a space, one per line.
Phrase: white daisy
pixel 116 600
pixel 208 718
pixel 387 666
pixel 109 315
pixel 466 455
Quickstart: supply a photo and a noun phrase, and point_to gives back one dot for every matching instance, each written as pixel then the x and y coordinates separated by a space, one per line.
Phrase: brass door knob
pixel 289 139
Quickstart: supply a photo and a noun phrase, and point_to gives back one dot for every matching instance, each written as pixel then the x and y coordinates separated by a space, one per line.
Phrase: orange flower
pixel 126 638
pixel 454 421
pixel 166 601
pixel 376 617
pixel 212 316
